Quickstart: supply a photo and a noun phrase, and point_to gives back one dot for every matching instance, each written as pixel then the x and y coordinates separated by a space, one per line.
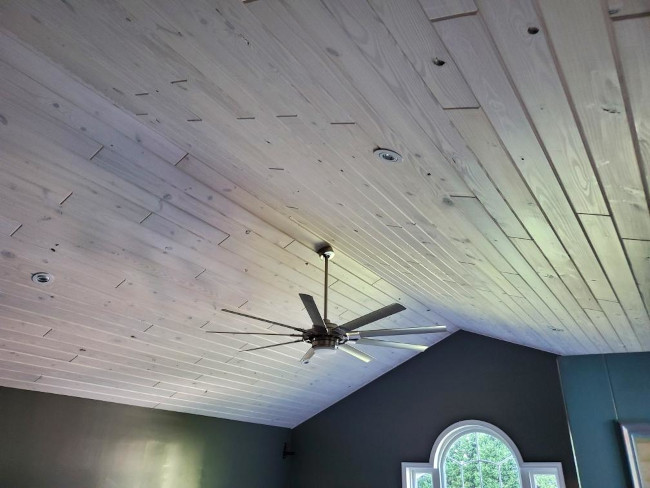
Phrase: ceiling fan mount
pixel 326 337
pixel 326 252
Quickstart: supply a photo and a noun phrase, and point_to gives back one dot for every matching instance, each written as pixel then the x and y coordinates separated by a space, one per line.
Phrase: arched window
pixel 475 454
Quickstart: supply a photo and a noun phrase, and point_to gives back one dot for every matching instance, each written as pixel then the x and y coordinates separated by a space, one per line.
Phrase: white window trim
pixel 448 437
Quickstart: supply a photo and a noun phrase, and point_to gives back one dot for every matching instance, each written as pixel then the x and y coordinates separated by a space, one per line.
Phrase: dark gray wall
pixel 362 440
pixel 599 392
pixel 51 441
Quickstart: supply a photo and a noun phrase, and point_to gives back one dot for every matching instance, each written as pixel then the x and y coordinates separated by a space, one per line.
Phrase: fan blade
pixel 373 316
pixel 263 320
pixel 397 345
pixel 308 355
pixel 272 345
pixel 250 333
pixel 356 353
pixel 312 310
pixel 397 332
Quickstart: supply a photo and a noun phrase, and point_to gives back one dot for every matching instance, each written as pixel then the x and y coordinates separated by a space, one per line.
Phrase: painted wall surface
pixel 361 441
pixel 51 441
pixel 600 391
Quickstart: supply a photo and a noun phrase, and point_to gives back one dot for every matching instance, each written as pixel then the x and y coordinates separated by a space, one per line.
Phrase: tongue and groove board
pixel 164 159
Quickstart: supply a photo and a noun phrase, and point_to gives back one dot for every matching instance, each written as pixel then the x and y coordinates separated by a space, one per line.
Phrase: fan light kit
pixel 387 155
pixel 327 338
pixel 42 278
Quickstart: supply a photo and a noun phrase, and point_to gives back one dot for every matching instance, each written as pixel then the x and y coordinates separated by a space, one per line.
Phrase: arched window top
pixel 461 430
pixel 476 454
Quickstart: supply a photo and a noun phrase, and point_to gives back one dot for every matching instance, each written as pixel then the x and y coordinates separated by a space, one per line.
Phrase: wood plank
pixel 604 238
pixel 619 320
pixel 381 86
pixel 529 62
pixel 9 342
pixel 8 226
pixel 200 171
pixel 52 371
pixel 431 116
pixel 22 164
pixel 73 371
pixel 22 326
pixel 549 319
pixel 438 9
pixel 15 114
pixel 583 46
pixel 603 324
pixel 181 384
pixel 81 386
pixel 178 379
pixel 633 42
pixel 425 51
pixel 156 183
pixel 468 41
pixel 481 138
pixel 473 211
pixel 620 9
pixel 23 385
pixel 25 59
pixel 603 336
pixel 66 366
pixel 638 253
pixel 519 320
pixel 416 312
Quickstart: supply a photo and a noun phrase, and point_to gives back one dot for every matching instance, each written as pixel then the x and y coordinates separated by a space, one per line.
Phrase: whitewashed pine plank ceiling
pixel 164 159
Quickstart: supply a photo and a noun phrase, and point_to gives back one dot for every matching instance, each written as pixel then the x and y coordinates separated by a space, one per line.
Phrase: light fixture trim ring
pixel 388 155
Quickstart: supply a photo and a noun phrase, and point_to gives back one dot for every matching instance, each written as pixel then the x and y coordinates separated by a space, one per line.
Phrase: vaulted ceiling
pixel 164 159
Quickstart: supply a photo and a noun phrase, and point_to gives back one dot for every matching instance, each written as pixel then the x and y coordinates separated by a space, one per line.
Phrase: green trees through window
pixel 424 481
pixel 545 481
pixel 479 460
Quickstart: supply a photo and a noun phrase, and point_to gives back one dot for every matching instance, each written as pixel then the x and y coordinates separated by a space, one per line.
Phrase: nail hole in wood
pixel 438 62
pixel 533 30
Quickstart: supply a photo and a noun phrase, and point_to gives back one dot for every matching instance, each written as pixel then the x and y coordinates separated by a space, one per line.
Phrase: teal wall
pixel 600 391
pixel 49 441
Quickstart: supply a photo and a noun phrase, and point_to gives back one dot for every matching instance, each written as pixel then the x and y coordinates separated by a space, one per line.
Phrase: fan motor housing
pixel 325 342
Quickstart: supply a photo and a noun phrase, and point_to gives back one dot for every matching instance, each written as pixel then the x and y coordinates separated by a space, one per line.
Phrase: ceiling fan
pixel 326 337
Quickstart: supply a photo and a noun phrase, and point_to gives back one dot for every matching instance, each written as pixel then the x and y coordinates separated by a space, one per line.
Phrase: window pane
pixel 471 475
pixel 545 481
pixel 464 449
pixel 510 474
pixel 492 449
pixel 480 460
pixel 424 481
pixel 453 475
pixel 490 475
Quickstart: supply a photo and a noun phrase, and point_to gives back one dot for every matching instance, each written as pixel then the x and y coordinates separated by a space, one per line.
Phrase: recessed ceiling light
pixel 387 155
pixel 42 278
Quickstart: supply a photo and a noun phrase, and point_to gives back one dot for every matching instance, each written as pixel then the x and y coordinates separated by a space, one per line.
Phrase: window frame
pixel 527 471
